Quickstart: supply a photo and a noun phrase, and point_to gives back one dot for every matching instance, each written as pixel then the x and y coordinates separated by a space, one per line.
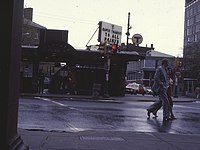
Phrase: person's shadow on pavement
pixel 160 126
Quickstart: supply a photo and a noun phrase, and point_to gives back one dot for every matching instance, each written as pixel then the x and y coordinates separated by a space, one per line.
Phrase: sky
pixel 160 22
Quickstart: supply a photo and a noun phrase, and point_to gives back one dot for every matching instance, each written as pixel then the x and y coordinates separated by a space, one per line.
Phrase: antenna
pixel 128 33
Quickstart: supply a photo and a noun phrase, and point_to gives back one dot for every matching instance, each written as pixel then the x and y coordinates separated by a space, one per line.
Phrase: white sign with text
pixel 109 33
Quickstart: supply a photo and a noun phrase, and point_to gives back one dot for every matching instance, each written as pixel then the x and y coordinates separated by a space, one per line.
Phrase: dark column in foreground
pixel 10 54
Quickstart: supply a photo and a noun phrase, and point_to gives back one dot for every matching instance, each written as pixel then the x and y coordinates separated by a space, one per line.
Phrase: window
pixel 36 36
pixel 187 13
pixel 190 39
pixel 191 11
pixel 150 63
pixel 197 18
pixel 189 31
pixel 195 9
pixel 198 7
pixel 196 38
pixel 190 21
pixel 197 28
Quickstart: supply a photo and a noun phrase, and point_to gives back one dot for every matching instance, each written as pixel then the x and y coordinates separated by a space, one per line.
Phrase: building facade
pixel 191 51
pixel 143 71
pixel 30 29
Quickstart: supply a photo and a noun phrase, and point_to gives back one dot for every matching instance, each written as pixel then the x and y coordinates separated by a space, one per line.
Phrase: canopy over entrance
pixel 64 52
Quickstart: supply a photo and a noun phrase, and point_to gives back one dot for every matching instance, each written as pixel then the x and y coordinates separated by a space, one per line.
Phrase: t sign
pixel 137 39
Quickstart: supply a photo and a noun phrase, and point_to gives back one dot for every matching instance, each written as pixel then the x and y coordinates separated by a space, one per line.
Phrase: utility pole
pixel 107 70
pixel 128 33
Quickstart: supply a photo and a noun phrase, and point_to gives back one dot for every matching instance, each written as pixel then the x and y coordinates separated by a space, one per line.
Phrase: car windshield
pixel 132 85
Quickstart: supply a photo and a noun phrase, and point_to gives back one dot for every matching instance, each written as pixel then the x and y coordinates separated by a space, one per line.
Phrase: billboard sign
pixel 109 33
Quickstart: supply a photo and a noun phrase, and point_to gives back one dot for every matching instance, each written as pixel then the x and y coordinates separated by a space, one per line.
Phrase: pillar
pixel 11 26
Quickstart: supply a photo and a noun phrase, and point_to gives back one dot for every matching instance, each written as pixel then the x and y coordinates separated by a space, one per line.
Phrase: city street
pixel 73 115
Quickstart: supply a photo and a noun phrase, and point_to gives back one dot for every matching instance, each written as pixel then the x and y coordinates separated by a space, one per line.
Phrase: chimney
pixel 28 13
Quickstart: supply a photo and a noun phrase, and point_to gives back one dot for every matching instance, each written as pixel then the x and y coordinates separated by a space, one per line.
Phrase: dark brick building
pixel 191 51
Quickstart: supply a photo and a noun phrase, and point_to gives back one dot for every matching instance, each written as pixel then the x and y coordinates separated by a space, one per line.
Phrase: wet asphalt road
pixel 72 116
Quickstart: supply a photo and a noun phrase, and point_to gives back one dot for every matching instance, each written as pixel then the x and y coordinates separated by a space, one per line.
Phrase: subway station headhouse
pixel 104 64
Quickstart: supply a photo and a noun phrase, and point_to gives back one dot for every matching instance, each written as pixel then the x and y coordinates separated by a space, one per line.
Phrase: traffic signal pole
pixel 107 71
pixel 107 50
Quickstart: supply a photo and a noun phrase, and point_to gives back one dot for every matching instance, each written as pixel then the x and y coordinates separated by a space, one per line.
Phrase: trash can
pixel 96 89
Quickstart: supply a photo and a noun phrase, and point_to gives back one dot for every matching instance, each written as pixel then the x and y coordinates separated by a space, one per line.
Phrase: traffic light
pixel 114 48
pixel 179 64
pixel 102 47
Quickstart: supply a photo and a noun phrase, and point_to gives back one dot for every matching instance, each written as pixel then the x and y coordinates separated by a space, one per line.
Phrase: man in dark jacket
pixel 161 84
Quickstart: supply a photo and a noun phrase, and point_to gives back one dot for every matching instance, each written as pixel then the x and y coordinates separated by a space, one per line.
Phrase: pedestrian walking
pixel 161 85
pixel 197 91
pixel 72 82
pixel 41 82
pixel 169 94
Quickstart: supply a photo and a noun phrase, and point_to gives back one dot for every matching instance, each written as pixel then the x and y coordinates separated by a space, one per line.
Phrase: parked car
pixel 148 90
pixel 134 88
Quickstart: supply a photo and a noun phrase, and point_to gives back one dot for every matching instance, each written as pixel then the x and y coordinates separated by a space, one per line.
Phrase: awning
pixel 63 52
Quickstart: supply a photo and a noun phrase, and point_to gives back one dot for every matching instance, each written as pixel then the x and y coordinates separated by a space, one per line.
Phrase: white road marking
pixel 60 104
pixel 49 100
pixel 73 128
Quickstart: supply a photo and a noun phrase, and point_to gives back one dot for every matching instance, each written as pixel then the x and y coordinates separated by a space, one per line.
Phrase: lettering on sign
pixel 109 33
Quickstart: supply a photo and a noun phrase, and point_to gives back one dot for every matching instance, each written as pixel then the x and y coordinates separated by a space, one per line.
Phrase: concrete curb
pixel 105 99
pixel 109 140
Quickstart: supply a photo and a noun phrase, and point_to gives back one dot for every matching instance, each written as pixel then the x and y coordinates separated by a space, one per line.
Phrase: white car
pixel 134 88
pixel 148 90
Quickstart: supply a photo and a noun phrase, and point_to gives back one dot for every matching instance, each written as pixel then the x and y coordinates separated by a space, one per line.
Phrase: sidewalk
pixel 127 97
pixel 108 140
